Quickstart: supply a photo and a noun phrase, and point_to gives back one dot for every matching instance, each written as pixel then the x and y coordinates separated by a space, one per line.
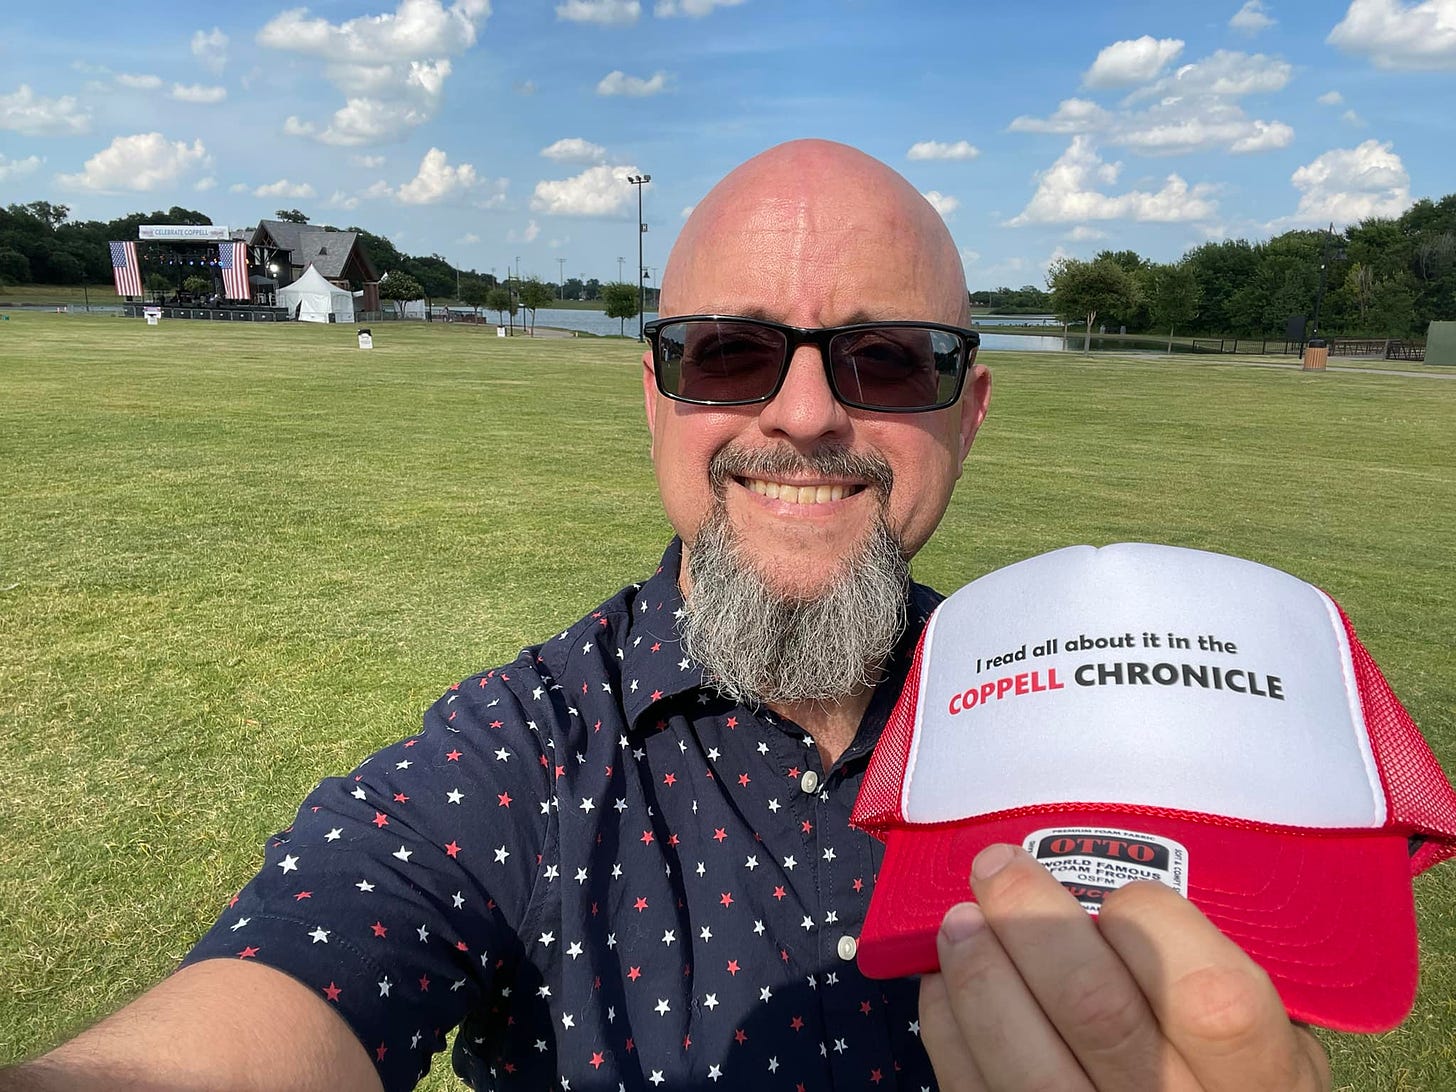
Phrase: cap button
pixel 847 948
pixel 809 782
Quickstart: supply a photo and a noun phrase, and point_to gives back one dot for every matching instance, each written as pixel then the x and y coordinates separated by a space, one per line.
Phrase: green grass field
pixel 233 559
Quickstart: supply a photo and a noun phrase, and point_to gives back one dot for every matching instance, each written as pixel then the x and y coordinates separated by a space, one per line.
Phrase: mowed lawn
pixel 234 559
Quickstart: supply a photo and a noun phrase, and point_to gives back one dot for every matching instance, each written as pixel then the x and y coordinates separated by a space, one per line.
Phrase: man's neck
pixel 833 725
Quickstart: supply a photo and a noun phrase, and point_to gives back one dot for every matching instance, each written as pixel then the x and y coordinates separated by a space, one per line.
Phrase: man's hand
pixel 1033 993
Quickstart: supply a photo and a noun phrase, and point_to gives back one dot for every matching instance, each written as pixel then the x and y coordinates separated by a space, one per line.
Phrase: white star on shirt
pixel 710 1002
pixel 402 765
pixel 656 1077
pixel 663 1008
pixel 458 899
pixel 547 939
pixel 334 835
pixel 611 940
pixel 620 805
pixel 616 870
pixel 502 755
pixel 773 1064
pixel 567 1020
pixel 633 688
pixel 384 986
pixel 668 936
pixel 706 933
pixel 789 863
pixel 581 875
pixel 424 933
pixel 454 796
pixel 751 863
pixel 320 934
pixel 840 1046
pixel 914 1027
pixel 713 754
pixel 364 885
pixel 808 922
pixel 402 853
pixel 586 648
pixel 714 1072
pixel 762 747
pixel 829 853
pixel 501 854
pixel 536 694
pixel 358 793
pixel 765 994
pixel 758 928
pixel 289 864
pixel 574 949
pixel 240 923
pixel 773 805
pixel 587 804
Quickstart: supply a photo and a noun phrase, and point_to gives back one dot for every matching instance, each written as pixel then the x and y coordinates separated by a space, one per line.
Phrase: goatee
pixel 758 644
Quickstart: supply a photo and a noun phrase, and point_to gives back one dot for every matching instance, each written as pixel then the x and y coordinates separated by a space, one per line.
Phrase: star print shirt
pixel 603 873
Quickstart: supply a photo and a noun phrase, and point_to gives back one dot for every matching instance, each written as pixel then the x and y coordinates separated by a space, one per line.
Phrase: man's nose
pixel 805 410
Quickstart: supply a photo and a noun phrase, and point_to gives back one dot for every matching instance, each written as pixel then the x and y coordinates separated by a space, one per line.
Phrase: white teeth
pixel 796 494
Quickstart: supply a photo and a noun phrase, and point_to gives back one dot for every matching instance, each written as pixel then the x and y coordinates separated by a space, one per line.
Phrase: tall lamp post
pixel 1326 256
pixel 640 180
pixel 561 278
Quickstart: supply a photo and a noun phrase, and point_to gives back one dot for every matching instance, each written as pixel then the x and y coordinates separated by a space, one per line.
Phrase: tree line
pixel 1379 278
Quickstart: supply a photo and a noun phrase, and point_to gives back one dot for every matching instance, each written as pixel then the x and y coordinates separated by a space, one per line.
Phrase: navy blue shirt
pixel 608 876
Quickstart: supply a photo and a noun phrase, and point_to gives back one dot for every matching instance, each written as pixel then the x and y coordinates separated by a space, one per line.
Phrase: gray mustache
pixel 830 462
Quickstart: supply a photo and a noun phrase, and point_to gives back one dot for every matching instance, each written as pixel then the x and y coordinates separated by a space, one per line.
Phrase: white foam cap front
pixel 1073 734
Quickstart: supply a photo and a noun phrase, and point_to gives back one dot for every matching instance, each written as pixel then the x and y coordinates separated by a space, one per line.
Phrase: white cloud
pixel 1225 73
pixel 603 12
pixel 1072 116
pixel 238 187
pixel 210 47
pixel 619 83
pixel 368 162
pixel 524 87
pixel 528 235
pixel 139 82
pixel 391 68
pixel 437 181
pixel 597 191
pixel 202 185
pixel 468 239
pixel 1084 234
pixel 574 150
pixel 942 203
pixel 695 9
pixel 377 190
pixel 198 93
pixel 1349 184
pixel 1178 128
pixel 145 161
pixel 341 200
pixel 687 211
pixel 1349 117
pixel 1330 98
pixel 1065 194
pixel 14 168
pixel 295 126
pixel 1138 60
pixel 284 188
pixel 935 149
pixel 1394 34
pixel 1250 19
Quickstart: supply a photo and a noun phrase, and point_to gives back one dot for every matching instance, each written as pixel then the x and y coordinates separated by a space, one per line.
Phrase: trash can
pixel 366 339
pixel 500 331
pixel 1316 354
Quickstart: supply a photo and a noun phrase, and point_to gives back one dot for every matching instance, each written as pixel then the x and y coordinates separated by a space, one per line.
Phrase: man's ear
pixel 975 401
pixel 649 397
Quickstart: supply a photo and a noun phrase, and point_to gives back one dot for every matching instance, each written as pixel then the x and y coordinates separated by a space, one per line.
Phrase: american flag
pixel 233 260
pixel 124 269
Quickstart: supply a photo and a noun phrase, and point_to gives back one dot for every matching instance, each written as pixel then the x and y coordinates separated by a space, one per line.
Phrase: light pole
pixel 619 269
pixel 1325 258
pixel 640 180
pixel 561 278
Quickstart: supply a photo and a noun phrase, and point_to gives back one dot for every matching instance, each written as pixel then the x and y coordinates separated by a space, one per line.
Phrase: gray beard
pixel 758 645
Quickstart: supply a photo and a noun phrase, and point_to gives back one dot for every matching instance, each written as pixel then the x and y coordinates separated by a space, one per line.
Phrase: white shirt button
pixel 809 782
pixel 847 947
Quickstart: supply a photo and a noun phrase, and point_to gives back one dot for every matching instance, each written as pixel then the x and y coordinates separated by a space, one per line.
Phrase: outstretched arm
pixel 219 1026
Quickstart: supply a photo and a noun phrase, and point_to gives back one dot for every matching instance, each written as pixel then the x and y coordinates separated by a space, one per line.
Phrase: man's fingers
pixel 1004 1029
pixel 955 1068
pixel 1075 976
pixel 1215 1005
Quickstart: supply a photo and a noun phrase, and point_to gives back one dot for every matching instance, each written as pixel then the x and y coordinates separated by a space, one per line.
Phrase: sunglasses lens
pixel 896 367
pixel 719 362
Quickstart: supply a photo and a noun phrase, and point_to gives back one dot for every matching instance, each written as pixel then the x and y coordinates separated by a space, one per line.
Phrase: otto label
pixel 1092 862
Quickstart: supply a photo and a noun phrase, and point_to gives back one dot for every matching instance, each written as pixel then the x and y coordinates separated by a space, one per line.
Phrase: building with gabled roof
pixel 338 256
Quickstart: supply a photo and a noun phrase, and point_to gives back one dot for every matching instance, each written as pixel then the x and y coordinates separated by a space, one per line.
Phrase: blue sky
pixel 494 130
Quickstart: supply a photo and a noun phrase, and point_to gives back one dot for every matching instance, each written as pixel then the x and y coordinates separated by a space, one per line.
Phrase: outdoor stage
pixel 240 312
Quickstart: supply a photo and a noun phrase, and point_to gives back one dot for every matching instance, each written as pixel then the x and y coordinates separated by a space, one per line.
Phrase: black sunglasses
pixel 887 367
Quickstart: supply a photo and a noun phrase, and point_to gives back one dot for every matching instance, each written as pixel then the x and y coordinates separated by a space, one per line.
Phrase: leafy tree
pixel 572 289
pixel 158 285
pixel 198 286
pixel 475 291
pixel 1088 288
pixel 292 216
pixel 436 276
pixel 621 302
pixel 401 288
pixel 534 293
pixel 592 290
pixel 501 300
pixel 1220 269
pixel 14 267
pixel 1172 297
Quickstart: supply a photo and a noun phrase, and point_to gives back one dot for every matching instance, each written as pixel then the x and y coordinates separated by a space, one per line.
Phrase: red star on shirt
pixel 740 1036
pixel 806 826
pixel 597 1059
pixel 797 1023
pixel 424 983
pixel 401 798
pixel 779 893
pixel 732 722
pixel 719 834
pixel 669 779
pixel 687 1041
pixel 634 973
pixel 380 819
pixel 657 695
pixel 302 895
pixel 379 929
pixel 379 1052
pixel 733 966
pixel 452 849
pixel 858 884
pixel 744 779
pixel 332 991
pixel 248 953
pixel 726 899
pixel 452 756
pixel 864 1007
pixel 503 799
pixel 497 724
pixel 647 837
pixel 640 905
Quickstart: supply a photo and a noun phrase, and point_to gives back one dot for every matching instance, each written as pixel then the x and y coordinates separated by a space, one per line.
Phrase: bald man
pixel 624 860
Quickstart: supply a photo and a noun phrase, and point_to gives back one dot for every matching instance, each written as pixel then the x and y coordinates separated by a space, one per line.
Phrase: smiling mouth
pixel 799 494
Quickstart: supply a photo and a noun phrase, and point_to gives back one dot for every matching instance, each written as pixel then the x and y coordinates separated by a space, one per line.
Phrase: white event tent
pixel 313 299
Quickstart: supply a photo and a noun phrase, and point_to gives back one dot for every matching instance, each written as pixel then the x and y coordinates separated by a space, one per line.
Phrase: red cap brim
pixel 1330 917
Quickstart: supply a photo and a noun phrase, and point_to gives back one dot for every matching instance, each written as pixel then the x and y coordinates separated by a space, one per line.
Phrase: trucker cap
pixel 1151 712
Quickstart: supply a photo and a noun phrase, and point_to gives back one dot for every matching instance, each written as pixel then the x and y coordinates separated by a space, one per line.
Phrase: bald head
pixel 818 226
